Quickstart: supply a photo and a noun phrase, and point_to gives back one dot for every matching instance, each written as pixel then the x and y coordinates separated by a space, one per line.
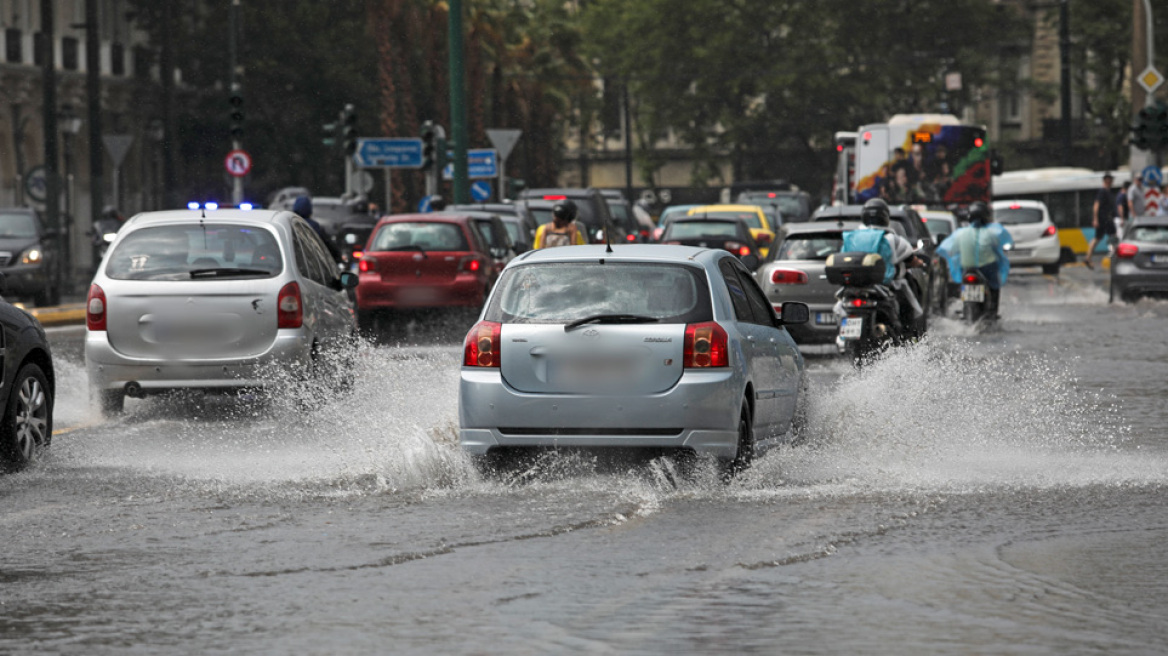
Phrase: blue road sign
pixel 480 190
pixel 480 163
pixel 424 204
pixel 1152 176
pixel 396 153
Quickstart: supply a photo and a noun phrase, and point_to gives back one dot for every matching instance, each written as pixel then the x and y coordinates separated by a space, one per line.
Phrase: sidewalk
pixel 69 314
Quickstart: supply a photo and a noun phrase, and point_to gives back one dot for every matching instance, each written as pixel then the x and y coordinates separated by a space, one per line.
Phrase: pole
pixel 236 69
pixel 166 70
pixel 499 193
pixel 628 143
pixel 1065 81
pixel 388 191
pixel 49 97
pixel 458 104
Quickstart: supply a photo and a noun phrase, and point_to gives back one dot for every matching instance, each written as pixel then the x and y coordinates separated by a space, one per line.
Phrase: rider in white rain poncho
pixel 981 245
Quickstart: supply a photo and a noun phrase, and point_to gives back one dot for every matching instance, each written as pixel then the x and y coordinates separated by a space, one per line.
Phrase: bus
pixel 919 159
pixel 1069 195
pixel 845 168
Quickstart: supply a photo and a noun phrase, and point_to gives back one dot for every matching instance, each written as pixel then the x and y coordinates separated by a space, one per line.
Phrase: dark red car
pixel 424 261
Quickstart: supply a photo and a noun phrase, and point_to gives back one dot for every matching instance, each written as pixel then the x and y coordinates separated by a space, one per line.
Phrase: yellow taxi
pixel 753 215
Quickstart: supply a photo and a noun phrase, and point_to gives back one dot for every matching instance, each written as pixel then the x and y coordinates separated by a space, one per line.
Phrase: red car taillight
pixel 763 239
pixel 1124 250
pixel 470 264
pixel 706 345
pixel 95 308
pixel 631 237
pixel 1050 231
pixel 789 277
pixel 481 348
pixel 367 264
pixel 289 307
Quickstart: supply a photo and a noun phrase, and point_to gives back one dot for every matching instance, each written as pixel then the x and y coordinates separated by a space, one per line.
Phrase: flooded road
pixel 980 493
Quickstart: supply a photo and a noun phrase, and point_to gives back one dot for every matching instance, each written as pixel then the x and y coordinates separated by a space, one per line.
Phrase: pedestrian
pixel 562 230
pixel 1163 210
pixel 1122 207
pixel 1103 219
pixel 1136 202
pixel 303 207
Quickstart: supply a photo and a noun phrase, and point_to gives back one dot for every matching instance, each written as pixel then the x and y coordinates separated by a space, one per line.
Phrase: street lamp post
pixel 70 124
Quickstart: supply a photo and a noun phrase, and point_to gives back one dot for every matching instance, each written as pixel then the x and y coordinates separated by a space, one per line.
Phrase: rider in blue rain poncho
pixel 981 245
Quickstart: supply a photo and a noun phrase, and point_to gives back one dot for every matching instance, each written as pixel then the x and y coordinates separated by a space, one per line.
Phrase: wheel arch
pixel 42 359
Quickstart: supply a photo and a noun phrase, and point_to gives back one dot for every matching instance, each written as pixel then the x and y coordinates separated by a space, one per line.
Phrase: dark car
pixel 493 231
pixel 706 232
pixel 520 224
pixel 792 205
pixel 637 229
pixel 29 388
pixel 592 209
pixel 1140 264
pixel 931 283
pixel 28 257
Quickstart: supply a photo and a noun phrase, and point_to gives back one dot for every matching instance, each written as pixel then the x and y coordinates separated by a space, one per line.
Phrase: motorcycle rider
pixel 108 223
pixel 980 245
pixel 899 255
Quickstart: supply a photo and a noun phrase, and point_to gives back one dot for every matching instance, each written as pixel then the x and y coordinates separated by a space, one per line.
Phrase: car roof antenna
pixel 607 241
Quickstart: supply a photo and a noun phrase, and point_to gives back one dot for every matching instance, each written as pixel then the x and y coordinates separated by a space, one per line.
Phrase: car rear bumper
pixel 108 369
pixel 1129 279
pixel 373 294
pixel 1034 253
pixel 700 413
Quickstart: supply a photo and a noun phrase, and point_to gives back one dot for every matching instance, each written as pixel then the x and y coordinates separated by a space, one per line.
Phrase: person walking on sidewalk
pixel 1104 219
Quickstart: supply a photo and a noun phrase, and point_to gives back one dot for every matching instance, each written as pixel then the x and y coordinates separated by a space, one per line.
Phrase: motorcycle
pixel 976 297
pixel 868 309
pixel 102 234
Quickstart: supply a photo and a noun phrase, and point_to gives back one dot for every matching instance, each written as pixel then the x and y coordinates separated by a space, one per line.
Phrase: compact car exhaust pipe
pixel 134 390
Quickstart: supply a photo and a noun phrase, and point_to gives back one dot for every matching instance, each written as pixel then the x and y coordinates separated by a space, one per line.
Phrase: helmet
pixel 565 210
pixel 109 212
pixel 979 213
pixel 303 206
pixel 875 213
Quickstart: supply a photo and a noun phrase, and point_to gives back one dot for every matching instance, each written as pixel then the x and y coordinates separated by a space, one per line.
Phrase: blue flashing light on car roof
pixel 212 206
pixel 193 205
pixel 245 206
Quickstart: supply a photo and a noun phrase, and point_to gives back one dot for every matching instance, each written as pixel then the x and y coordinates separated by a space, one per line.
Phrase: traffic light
pixel 330 134
pixel 349 129
pixel 236 115
pixel 1151 129
pixel 429 137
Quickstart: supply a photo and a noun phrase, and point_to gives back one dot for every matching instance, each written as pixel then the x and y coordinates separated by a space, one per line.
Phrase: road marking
pixel 70 429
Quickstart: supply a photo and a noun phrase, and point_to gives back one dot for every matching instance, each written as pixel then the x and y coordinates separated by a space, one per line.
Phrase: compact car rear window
pixel 749 218
pixel 1154 234
pixel 810 246
pixel 425 235
pixel 196 251
pixel 1017 215
pixel 560 292
pixel 693 229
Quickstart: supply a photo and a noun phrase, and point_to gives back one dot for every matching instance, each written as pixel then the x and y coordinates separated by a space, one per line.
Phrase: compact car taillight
pixel 289 307
pixel 1050 231
pixel 706 346
pixel 481 348
pixel 631 237
pixel 1124 250
pixel 789 277
pixel 366 264
pixel 95 308
pixel 471 264
pixel 744 251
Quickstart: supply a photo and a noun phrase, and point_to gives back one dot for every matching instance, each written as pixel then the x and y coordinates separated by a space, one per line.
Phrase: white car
pixel 211 300
pixel 1036 240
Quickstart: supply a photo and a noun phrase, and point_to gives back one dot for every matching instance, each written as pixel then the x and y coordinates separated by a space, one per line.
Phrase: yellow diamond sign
pixel 1150 79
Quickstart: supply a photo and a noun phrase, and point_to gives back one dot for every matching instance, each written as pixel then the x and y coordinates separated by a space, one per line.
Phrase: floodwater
pixel 989 493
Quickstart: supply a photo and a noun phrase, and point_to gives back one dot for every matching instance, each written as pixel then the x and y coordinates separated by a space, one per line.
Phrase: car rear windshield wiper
pixel 610 318
pixel 409 247
pixel 228 271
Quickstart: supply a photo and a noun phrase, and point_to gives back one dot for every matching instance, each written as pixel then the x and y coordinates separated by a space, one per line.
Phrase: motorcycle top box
pixel 855 269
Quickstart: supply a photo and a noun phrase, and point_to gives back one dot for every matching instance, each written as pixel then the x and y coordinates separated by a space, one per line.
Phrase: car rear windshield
pixel 1156 234
pixel 789 206
pixel 513 231
pixel 810 246
pixel 566 291
pixel 749 218
pixel 691 229
pixel 1017 215
pixel 213 251
pixel 17 226
pixel 426 235
pixel 939 226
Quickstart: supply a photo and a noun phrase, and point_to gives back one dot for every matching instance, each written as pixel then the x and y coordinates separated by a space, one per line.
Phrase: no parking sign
pixel 238 163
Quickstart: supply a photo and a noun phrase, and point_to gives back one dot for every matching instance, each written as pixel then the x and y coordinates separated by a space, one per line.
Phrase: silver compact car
pixel 646 346
pixel 1140 265
pixel 211 300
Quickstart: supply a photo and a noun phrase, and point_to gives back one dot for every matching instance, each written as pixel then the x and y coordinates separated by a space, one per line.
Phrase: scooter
pixel 977 299
pixel 869 311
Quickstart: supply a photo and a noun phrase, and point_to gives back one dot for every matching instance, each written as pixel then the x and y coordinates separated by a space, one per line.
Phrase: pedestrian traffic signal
pixel 349 129
pixel 236 114
pixel 330 134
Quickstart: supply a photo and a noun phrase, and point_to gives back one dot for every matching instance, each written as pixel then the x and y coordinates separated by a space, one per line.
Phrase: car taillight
pixel 555 197
pixel 706 345
pixel 289 307
pixel 789 277
pixel 481 348
pixel 744 251
pixel 763 238
pixel 95 308
pixel 367 264
pixel 1050 231
pixel 471 264
pixel 1124 250
pixel 631 237
pixel 645 235
pixel 358 255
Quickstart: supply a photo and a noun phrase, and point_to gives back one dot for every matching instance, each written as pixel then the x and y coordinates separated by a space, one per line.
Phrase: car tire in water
pixel 27 427
pixel 745 452
pixel 1051 269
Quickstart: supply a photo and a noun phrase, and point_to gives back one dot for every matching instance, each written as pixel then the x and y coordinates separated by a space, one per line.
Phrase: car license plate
pixel 417 295
pixel 826 318
pixel 1023 252
pixel 973 293
pixel 851 327
pixel 591 373
pixel 1159 258
pixel 189 332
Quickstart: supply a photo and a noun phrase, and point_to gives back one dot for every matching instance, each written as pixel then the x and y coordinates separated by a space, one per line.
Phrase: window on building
pixel 13 53
pixel 118 59
pixel 69 53
pixel 143 59
pixel 39 49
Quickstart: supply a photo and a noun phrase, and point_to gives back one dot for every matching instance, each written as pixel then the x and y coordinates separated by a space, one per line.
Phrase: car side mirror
pixel 349 280
pixel 794 313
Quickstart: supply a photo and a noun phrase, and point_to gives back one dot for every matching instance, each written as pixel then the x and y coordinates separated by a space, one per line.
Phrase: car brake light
pixel 1050 231
pixel 471 264
pixel 1124 250
pixel 789 277
pixel 289 307
pixel 358 255
pixel 481 348
pixel 556 197
pixel 367 264
pixel 771 194
pixel 1015 206
pixel 706 345
pixel 631 237
pixel 744 251
pixel 95 307
pixel 763 238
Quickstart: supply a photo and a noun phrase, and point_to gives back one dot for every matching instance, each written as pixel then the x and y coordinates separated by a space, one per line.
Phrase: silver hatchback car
pixel 200 299
pixel 647 346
